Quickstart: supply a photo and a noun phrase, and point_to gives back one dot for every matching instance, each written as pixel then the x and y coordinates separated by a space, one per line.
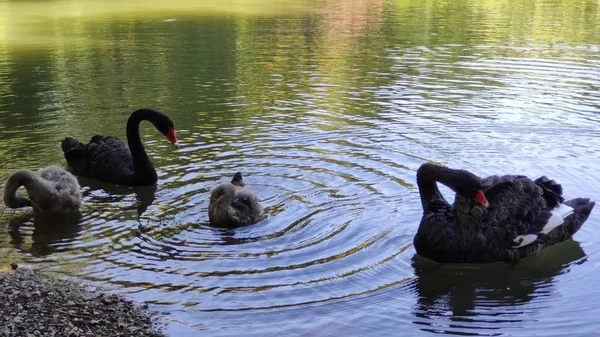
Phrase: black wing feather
pixel 519 205
pixel 552 191
pixel 105 157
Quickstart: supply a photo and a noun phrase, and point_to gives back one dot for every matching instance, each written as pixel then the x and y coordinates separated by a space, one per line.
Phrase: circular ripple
pixel 331 210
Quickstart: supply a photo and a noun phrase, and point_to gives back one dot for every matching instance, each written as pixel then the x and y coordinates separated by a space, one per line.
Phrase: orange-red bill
pixel 480 199
pixel 171 137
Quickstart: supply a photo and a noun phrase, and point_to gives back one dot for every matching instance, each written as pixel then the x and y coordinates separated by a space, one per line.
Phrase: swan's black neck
pixel 427 175
pixel 143 167
pixel 463 182
pixel 12 198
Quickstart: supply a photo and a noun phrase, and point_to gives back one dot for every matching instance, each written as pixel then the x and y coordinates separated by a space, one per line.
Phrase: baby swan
pixel 51 190
pixel 233 205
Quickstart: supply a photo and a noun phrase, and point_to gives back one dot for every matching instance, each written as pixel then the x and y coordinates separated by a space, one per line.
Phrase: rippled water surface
pixel 328 108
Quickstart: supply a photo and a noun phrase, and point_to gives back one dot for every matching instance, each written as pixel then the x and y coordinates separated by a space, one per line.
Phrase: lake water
pixel 327 108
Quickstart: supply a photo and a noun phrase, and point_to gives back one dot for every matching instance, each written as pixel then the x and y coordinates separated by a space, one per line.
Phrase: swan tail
pixel 238 180
pixel 69 144
pixel 74 154
pixel 582 208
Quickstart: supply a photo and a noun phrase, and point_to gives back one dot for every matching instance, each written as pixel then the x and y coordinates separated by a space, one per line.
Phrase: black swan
pixel 499 218
pixel 108 159
pixel 233 205
pixel 51 190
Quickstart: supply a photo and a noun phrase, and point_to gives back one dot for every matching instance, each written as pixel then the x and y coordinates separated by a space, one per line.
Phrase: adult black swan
pixel 499 218
pixel 108 159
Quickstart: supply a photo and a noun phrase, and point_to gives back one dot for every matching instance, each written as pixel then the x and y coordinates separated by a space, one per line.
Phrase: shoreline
pixel 33 304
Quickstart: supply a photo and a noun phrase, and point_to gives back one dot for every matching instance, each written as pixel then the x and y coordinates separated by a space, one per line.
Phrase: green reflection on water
pixel 47 23
pixel 74 61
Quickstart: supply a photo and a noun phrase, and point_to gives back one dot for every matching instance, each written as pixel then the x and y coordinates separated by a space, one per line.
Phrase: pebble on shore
pixel 33 305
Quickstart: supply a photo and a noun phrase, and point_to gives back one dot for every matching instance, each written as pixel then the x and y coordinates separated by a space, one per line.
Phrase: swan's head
pixel 468 185
pixel 171 136
pixel 167 128
pixel 161 122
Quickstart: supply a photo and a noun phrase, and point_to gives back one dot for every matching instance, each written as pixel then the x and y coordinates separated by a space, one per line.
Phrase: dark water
pixel 328 108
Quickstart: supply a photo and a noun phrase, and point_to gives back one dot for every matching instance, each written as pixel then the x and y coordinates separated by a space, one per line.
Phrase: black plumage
pixel 523 216
pixel 109 159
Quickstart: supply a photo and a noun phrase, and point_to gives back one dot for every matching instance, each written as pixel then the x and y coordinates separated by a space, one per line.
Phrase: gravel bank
pixel 34 305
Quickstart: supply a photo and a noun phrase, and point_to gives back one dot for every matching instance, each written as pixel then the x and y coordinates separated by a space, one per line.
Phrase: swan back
pixel 109 159
pixel 51 190
pixel 232 204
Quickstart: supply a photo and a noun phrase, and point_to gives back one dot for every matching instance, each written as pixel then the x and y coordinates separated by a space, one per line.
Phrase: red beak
pixel 171 137
pixel 481 200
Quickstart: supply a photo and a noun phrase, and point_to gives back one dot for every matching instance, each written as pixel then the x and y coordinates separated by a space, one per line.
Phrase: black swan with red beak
pixel 498 218
pixel 108 159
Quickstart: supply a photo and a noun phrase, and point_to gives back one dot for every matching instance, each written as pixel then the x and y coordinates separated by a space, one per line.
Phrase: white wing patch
pixel 524 240
pixel 556 219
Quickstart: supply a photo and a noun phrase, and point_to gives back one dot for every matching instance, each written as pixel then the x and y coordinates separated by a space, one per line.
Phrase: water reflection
pixel 454 299
pixel 98 193
pixel 41 235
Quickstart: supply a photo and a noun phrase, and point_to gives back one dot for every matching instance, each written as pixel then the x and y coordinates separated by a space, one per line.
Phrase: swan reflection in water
pixel 460 292
pixel 101 193
pixel 50 233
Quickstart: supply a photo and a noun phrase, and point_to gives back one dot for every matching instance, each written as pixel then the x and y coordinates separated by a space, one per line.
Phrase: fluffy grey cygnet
pixel 51 190
pixel 233 205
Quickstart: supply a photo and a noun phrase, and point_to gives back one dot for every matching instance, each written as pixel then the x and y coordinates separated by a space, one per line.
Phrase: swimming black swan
pixel 233 205
pixel 51 190
pixel 499 218
pixel 108 159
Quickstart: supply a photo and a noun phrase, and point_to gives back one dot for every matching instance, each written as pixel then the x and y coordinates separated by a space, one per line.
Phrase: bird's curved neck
pixel 141 161
pixel 427 182
pixel 12 198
